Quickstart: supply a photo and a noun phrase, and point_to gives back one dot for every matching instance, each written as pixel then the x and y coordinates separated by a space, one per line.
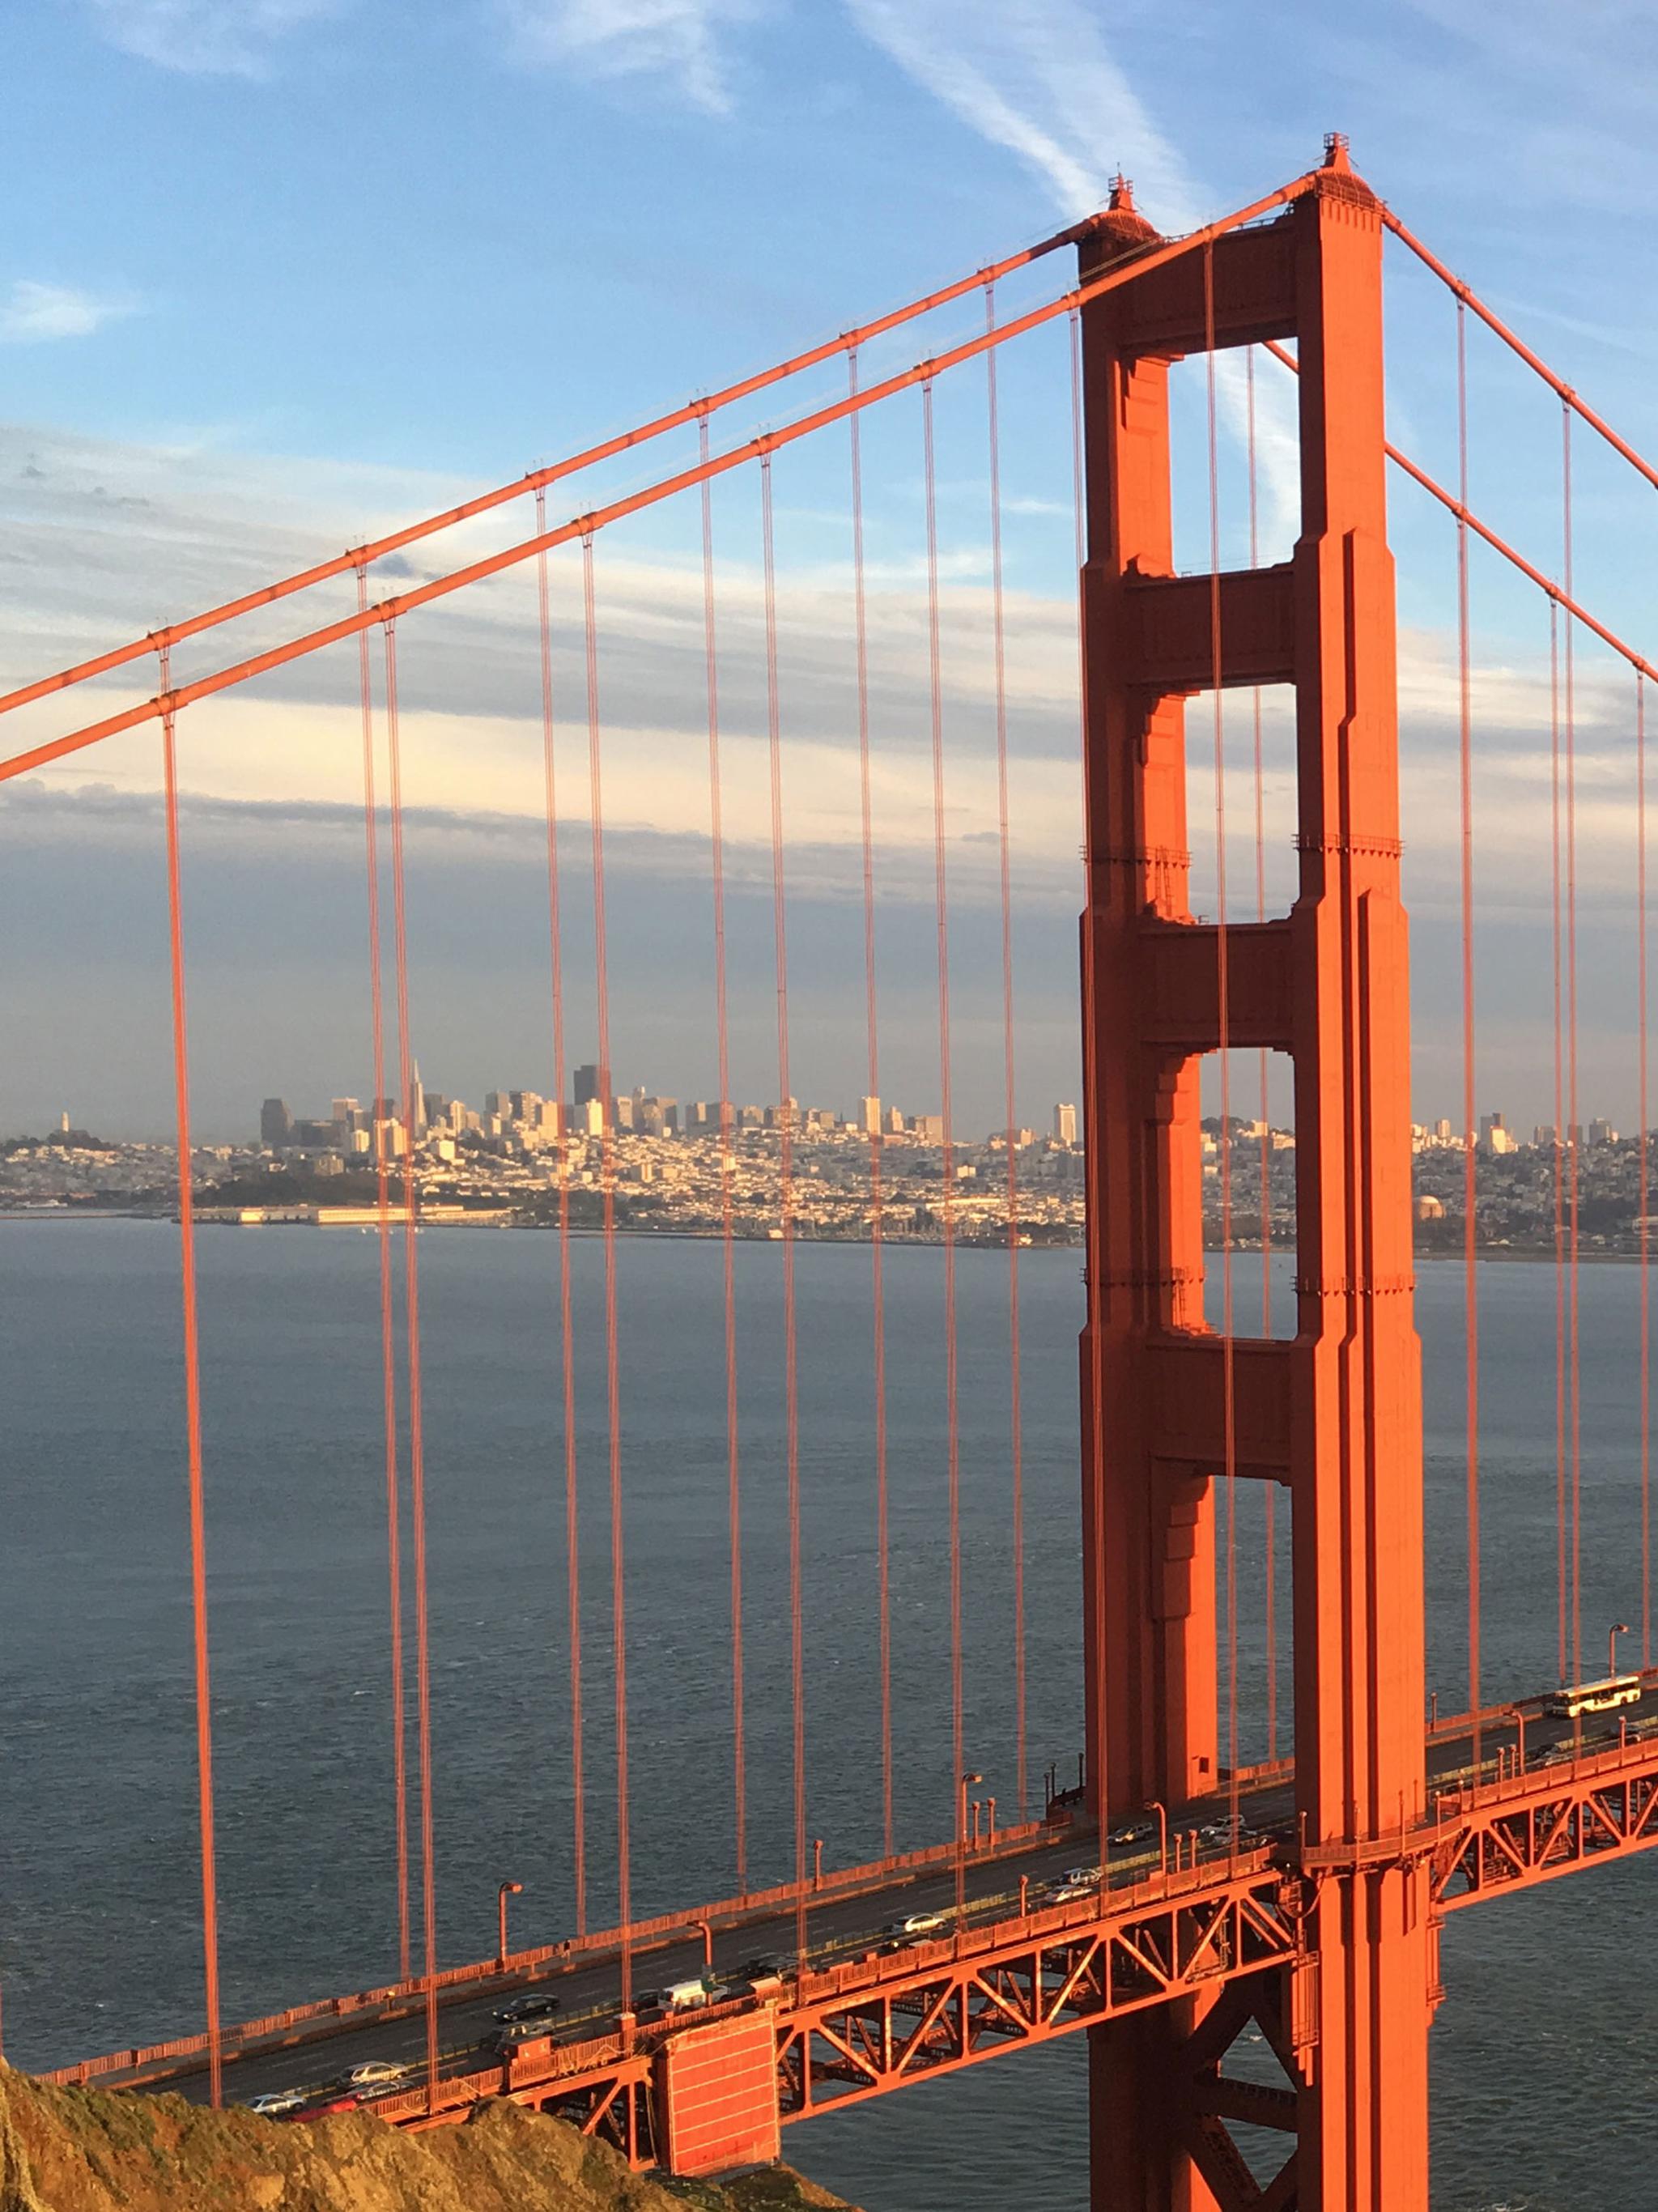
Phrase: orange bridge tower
pixel 1170 1408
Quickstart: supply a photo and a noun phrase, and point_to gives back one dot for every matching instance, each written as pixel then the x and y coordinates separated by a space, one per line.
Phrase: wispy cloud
pixel 31 312
pixel 679 40
pixel 205 38
pixel 1037 78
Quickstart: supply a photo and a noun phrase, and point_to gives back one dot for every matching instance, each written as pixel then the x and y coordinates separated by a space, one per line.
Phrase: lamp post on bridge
pixel 506 1889
pixel 1519 1724
pixel 967 1782
pixel 1162 1812
pixel 1618 1628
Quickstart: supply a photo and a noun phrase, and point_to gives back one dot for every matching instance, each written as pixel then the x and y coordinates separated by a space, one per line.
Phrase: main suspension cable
pixel 566 1302
pixel 597 519
pixel 1571 400
pixel 362 556
pixel 1557 593
pixel 192 1367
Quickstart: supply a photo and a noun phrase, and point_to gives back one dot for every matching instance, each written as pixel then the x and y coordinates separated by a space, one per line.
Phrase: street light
pixel 706 1932
pixel 508 1889
pixel 1520 1722
pixel 1162 1812
pixel 968 1781
pixel 1618 1628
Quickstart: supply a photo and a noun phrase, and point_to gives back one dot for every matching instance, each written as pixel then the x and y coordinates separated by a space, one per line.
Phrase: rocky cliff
pixel 85 2150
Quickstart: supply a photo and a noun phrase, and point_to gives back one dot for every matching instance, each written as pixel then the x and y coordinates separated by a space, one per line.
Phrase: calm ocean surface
pixel 1545 2057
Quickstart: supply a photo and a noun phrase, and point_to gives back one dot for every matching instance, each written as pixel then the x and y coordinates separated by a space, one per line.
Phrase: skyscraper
pixel 275 1122
pixel 869 1116
pixel 1494 1135
pixel 1065 1125
pixel 586 1086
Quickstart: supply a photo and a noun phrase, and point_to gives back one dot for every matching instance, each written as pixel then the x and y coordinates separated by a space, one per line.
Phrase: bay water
pixel 1544 2051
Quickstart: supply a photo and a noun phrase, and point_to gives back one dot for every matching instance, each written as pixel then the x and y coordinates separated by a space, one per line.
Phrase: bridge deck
pixel 861 2015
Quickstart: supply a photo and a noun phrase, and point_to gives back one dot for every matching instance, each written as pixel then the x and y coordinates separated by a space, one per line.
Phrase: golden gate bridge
pixel 1178 1897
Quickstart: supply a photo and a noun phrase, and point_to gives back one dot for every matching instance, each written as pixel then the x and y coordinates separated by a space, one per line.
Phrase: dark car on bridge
pixel 535 2005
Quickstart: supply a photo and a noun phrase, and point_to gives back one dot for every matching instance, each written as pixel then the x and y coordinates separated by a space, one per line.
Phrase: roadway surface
pixel 588 1992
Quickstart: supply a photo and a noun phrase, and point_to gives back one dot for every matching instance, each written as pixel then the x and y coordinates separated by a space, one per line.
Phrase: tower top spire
pixel 1119 227
pixel 1335 153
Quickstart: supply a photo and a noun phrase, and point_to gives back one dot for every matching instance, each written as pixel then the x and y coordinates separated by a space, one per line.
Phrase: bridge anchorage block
pixel 716 2090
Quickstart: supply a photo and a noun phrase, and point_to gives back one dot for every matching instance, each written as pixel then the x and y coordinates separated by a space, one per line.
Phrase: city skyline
pixel 350 1126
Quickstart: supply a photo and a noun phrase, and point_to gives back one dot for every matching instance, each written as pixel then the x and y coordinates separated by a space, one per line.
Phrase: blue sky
pixel 274 271
pixel 450 235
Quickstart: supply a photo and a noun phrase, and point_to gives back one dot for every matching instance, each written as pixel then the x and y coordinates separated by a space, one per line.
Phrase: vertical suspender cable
pixel 612 1355
pixel 877 1224
pixel 941 909
pixel 567 1332
pixel 1574 1129
pixel 1224 1034
pixel 1097 1753
pixel 727 1166
pixel 388 1337
pixel 192 1401
pixel 1270 1541
pixel 786 1206
pixel 412 1363
pixel 1560 1138
pixel 1646 1292
pixel 1015 1411
pixel 1465 727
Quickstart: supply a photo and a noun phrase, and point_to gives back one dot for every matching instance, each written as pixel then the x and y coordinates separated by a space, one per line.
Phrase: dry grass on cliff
pixel 87 2150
